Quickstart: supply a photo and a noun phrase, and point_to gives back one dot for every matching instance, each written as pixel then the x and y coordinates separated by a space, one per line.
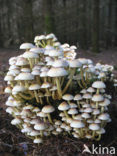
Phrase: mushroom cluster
pixel 51 92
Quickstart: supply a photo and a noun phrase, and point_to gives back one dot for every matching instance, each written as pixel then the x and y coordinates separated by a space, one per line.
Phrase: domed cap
pixel 85 115
pixel 106 102
pixel 37 141
pixel 37 50
pixel 83 60
pixel 46 85
pixel 29 54
pixel 26 46
pixel 8 90
pixel 72 111
pixel 16 121
pixel 34 133
pixel 91 90
pixel 40 126
pixel 101 131
pixel 63 106
pixel 77 97
pixel 19 88
pixel 60 63
pixel 74 63
pixel 21 61
pixel 94 127
pixel 34 87
pixel 57 72
pixel 98 84
pixel 87 96
pixel 67 97
pixel 104 116
pixel 97 97
pixel 25 76
pixel 77 124
pixel 96 111
pixel 9 78
pixel 55 53
pixel 48 109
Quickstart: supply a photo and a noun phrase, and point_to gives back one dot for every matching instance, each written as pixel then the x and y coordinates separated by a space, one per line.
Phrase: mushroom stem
pixel 79 83
pixel 93 134
pixel 81 72
pixel 99 137
pixel 65 112
pixel 70 80
pixel 30 62
pixel 41 133
pixel 59 88
pixel 36 96
pixel 49 118
pixel 97 104
pixel 97 91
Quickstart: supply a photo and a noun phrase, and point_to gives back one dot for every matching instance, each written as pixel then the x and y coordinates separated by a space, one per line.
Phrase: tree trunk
pixel 48 16
pixel 95 26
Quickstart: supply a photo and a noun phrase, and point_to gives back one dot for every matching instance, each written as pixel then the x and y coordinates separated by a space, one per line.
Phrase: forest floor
pixel 14 143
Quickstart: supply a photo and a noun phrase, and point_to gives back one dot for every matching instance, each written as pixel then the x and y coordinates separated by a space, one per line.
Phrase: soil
pixel 14 143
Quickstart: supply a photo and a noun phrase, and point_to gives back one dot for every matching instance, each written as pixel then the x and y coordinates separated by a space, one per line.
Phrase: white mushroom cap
pixel 83 60
pixel 74 63
pixel 37 141
pixel 72 105
pixel 96 111
pixel 36 109
pixel 91 90
pixel 67 97
pixel 19 88
pixel 97 121
pixel 9 78
pixel 101 131
pixel 9 110
pixel 25 76
pixel 26 70
pixel 88 136
pixel 85 115
pixel 41 114
pixel 55 53
pixel 34 87
pixel 90 121
pixel 34 121
pixel 88 110
pixel 98 84
pixel 58 122
pixel 34 133
pixel 57 72
pixel 72 111
pixel 77 97
pixel 46 85
pixel 40 126
pixel 69 120
pixel 26 46
pixel 29 54
pixel 48 109
pixel 35 72
pixel 16 121
pixel 63 106
pixel 87 96
pixel 83 91
pixel 60 63
pixel 106 102
pixel 78 117
pixel 37 50
pixel 21 61
pixel 97 97
pixel 94 127
pixel 8 90
pixel 77 124
pixel 104 116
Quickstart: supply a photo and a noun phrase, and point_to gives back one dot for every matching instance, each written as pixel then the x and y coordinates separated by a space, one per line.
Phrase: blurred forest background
pixel 91 24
